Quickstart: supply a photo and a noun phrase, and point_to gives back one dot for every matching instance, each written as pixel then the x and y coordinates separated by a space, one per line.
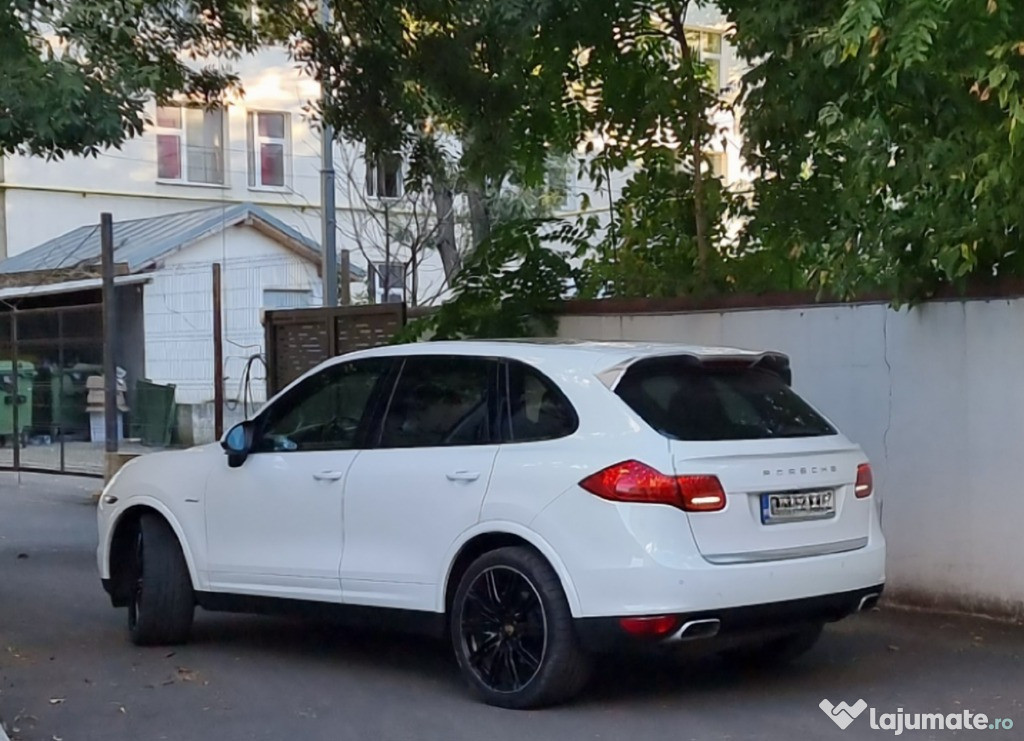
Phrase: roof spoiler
pixel 773 362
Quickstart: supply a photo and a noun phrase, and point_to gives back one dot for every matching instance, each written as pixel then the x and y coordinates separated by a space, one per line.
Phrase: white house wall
pixel 178 306
pixel 934 397
pixel 47 199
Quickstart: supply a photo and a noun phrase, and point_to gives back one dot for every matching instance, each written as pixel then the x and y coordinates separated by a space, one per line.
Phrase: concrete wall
pixel 936 398
pixel 195 422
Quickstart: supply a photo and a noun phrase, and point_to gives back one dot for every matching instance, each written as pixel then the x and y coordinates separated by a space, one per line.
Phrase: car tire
pixel 513 633
pixel 775 652
pixel 162 603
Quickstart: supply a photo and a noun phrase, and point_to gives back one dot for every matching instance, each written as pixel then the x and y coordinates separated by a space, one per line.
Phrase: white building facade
pixel 260 149
pixel 263 149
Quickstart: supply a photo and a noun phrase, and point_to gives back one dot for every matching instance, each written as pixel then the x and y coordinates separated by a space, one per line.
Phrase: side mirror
pixel 237 443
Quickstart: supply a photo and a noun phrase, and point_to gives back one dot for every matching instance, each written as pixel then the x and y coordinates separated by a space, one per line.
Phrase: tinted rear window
pixel 684 400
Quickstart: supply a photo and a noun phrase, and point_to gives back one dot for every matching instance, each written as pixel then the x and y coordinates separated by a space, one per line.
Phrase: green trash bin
pixel 153 413
pixel 68 395
pixel 26 377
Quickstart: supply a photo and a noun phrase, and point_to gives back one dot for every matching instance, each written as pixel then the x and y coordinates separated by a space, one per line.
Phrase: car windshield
pixel 685 400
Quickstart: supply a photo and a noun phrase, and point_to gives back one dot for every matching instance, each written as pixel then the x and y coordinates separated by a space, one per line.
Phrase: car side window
pixel 324 412
pixel 441 401
pixel 535 407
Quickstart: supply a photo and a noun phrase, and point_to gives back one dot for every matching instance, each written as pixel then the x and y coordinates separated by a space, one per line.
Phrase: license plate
pixel 797 506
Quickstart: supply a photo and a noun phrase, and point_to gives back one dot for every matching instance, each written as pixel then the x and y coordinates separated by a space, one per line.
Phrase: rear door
pixel 789 476
pixel 409 498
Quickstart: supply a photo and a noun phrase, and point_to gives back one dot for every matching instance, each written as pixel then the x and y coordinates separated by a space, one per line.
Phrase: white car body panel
pixel 388 530
pixel 750 468
pixel 168 483
pixel 507 527
pixel 402 512
pixel 655 566
pixel 274 526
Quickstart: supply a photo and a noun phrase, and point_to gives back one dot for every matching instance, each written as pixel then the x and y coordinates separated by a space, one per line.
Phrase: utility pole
pixel 218 357
pixel 328 215
pixel 110 410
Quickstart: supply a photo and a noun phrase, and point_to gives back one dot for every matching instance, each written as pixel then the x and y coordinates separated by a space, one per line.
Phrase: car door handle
pixel 463 475
pixel 328 475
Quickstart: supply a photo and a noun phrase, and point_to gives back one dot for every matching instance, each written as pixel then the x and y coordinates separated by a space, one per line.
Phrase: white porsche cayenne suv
pixel 537 502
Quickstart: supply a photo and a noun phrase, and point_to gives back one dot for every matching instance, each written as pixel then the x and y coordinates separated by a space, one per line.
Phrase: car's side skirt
pixel 406 621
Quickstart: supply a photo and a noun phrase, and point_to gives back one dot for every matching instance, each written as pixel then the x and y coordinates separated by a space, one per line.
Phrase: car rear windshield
pixel 686 400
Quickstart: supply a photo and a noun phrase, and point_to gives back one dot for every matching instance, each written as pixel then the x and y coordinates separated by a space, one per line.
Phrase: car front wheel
pixel 162 602
pixel 513 632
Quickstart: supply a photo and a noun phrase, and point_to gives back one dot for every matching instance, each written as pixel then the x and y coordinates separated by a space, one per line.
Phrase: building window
pixel 287 298
pixel 190 145
pixel 717 165
pixel 269 149
pixel 384 176
pixel 387 283
pixel 708 46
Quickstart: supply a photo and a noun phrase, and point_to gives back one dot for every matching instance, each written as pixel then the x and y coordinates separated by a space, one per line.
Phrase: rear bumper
pixel 641 559
pixel 734 624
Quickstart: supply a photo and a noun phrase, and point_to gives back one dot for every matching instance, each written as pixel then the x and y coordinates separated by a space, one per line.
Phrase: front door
pixel 274 524
pixel 409 498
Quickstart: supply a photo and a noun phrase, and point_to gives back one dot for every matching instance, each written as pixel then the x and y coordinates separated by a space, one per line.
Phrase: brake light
pixel 701 493
pixel 865 482
pixel 632 481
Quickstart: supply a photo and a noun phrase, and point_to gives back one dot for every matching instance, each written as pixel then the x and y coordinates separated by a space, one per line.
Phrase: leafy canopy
pixel 76 74
pixel 888 134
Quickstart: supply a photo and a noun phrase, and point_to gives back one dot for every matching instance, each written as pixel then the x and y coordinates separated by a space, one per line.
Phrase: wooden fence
pixel 300 339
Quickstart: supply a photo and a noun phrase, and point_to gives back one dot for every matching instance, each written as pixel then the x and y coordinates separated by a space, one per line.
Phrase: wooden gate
pixel 300 339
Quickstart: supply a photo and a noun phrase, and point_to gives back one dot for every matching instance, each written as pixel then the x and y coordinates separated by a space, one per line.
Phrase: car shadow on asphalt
pixel 325 641
pixel 645 677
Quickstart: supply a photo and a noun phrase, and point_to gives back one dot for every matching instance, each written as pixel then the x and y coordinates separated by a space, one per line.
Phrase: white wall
pixel 47 199
pixel 936 398
pixel 178 306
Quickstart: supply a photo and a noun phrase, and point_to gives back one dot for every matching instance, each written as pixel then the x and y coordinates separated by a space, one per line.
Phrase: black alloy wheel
pixel 504 629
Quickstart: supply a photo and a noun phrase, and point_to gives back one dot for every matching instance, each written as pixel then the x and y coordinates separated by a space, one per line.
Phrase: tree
pixel 397 229
pixel 514 84
pixel 888 138
pixel 76 74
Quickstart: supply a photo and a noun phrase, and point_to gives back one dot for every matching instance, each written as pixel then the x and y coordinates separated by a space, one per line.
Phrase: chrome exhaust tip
pixel 693 630
pixel 868 601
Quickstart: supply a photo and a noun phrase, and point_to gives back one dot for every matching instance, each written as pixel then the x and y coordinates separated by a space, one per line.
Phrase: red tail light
pixel 865 482
pixel 654 625
pixel 701 493
pixel 632 481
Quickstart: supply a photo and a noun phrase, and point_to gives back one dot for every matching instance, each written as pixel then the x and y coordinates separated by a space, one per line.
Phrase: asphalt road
pixel 68 672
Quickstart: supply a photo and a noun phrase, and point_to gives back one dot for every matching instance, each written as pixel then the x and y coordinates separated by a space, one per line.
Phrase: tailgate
pixel 788 475
pixel 795 501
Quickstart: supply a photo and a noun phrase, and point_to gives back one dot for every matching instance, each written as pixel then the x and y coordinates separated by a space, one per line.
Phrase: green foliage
pixel 510 287
pixel 520 85
pixel 888 134
pixel 650 247
pixel 76 74
pixel 891 133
